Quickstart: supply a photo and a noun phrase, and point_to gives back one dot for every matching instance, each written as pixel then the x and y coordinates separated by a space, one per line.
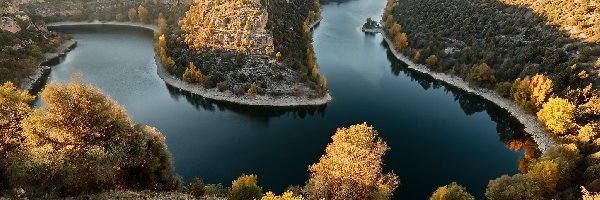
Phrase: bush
pixel 196 187
pixel 452 191
pixel 432 61
pixel 245 187
pixel 514 187
pixel 482 75
pixel 215 190
pixel 97 148
pixel 252 90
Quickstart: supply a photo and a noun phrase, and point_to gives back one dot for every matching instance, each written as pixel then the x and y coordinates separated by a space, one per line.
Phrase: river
pixel 437 134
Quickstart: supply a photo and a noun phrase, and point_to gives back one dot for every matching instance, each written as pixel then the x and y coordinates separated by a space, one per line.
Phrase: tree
pixel 196 187
pixel 557 115
pixel 252 90
pixel 132 14
pixel 417 57
pixel 162 24
pixel 482 75
pixel 514 187
pixel 278 56
pixel 545 172
pixel 192 74
pixel 120 17
pixel 431 61
pixel 13 109
pixel 395 29
pixel 143 14
pixel 245 187
pixel 81 141
pixel 541 88
pixel 452 191
pixel 351 167
pixel 401 42
pixel 286 196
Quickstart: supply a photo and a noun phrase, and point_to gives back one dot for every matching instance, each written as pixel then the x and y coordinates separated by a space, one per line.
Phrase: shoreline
pixel 214 94
pixel 42 69
pixel 228 96
pixel 532 126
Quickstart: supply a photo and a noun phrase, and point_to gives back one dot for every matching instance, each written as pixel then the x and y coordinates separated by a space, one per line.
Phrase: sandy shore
pixel 42 69
pixel 532 125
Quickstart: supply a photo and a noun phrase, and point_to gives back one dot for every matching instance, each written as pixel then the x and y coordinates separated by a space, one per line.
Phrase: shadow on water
pixel 508 127
pixel 258 113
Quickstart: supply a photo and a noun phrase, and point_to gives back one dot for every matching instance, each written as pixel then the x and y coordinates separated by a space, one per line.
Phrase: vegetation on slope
pixel 235 44
pixel 23 43
pixel 544 70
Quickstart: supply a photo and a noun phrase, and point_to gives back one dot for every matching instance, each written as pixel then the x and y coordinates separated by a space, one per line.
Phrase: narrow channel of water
pixel 437 134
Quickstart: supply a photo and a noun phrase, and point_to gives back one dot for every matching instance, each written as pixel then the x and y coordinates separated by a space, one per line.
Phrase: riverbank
pixel 532 125
pixel 214 94
pixel 43 68
pixel 96 22
pixel 228 96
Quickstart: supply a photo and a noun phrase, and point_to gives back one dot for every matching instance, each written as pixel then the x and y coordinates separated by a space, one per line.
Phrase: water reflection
pixel 511 131
pixel 257 113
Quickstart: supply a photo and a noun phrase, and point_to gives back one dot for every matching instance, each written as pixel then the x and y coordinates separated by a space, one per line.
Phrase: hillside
pixel 243 46
pixel 24 43
pixel 513 40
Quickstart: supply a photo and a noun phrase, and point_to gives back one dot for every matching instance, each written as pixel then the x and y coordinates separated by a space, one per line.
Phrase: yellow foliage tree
pixel 401 42
pixel 252 90
pixel 417 57
pixel 541 88
pixel 13 109
pixel 192 74
pixel 351 167
pixel 452 191
pixel 132 14
pixel 286 196
pixel 395 29
pixel 245 187
pixel 143 14
pixel 557 115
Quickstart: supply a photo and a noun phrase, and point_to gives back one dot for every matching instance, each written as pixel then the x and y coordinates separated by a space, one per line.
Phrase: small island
pixel 244 52
pixel 371 26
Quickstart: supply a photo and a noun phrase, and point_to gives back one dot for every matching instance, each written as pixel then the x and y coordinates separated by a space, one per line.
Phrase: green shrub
pixel 215 190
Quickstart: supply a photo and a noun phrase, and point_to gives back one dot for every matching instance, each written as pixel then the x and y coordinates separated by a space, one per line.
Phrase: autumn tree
pixel 532 93
pixel 14 107
pixel 245 187
pixel 192 74
pixel 132 14
pixel 351 167
pixel 452 191
pixel 557 115
pixel 401 42
pixel 143 14
pixel 252 90
pixel 162 24
pixel 514 187
pixel 482 75
pixel 394 30
pixel 81 141
pixel 166 61
pixel 286 196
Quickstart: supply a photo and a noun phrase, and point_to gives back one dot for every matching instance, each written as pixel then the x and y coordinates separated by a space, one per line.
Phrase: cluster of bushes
pixel 79 141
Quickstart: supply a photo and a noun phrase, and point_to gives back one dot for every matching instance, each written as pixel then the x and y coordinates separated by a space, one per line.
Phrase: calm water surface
pixel 437 134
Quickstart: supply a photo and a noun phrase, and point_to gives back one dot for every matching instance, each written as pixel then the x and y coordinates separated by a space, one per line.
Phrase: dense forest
pixel 530 55
pixel 246 47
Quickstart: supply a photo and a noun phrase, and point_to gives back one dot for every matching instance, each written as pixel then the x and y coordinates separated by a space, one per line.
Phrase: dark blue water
pixel 437 134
